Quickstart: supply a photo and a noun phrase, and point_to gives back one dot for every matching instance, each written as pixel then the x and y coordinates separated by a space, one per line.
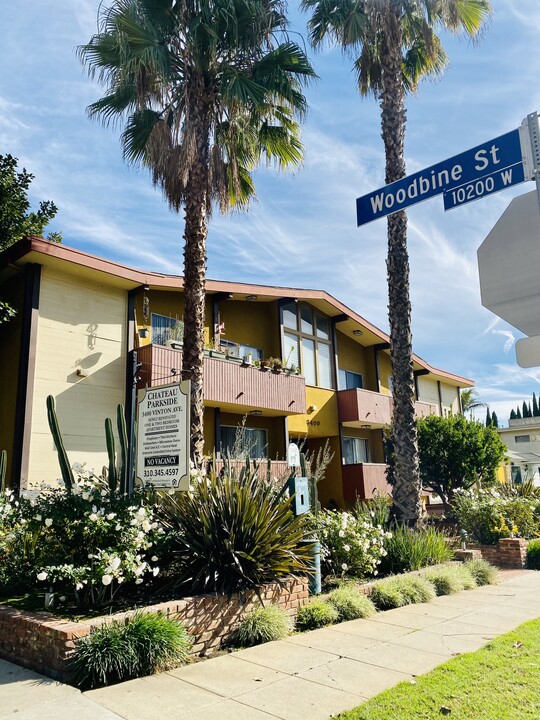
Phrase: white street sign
pixel 163 436
pixel 293 455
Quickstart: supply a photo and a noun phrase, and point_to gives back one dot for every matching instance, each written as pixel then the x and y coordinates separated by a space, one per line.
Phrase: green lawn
pixel 499 682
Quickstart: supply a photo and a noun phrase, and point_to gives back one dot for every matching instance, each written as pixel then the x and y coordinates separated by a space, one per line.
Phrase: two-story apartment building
pixel 522 438
pixel 89 330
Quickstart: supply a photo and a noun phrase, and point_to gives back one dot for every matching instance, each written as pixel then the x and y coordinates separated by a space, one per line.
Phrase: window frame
pixel 315 338
pixel 365 441
pixel 350 372
pixel 246 427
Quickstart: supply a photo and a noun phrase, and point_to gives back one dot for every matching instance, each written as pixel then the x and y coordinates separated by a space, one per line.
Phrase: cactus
pixel 3 468
pixel 111 452
pixel 124 469
pixel 118 473
pixel 65 467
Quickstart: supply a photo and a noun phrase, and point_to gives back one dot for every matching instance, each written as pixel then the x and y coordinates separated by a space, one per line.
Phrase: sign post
pixel 163 436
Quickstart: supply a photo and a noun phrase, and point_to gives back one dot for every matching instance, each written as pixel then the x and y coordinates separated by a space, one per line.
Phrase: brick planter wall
pixel 508 553
pixel 44 643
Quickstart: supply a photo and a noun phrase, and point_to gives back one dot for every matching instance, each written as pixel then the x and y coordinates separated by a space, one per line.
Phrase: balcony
pixel 279 469
pixel 365 407
pixel 227 382
pixel 364 480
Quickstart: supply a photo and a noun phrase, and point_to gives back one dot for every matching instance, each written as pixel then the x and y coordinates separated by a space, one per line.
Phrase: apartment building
pixel 91 332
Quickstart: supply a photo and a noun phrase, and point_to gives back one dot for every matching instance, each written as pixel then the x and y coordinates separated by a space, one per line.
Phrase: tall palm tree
pixel 394 43
pixel 206 88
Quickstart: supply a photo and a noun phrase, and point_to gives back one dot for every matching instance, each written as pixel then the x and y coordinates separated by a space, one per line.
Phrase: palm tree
pixel 206 90
pixel 470 401
pixel 394 44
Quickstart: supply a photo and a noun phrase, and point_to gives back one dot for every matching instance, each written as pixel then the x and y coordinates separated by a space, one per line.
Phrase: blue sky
pixel 302 229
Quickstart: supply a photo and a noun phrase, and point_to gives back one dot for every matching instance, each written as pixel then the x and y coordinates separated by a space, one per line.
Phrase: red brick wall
pixel 509 553
pixel 44 643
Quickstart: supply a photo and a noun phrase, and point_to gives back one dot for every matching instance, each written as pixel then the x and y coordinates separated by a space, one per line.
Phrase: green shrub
pixel 351 604
pixel 450 579
pixel 533 555
pixel 408 549
pixel 376 510
pixel 117 651
pixel 405 590
pixel 232 534
pixel 483 572
pixel 317 614
pixel 487 516
pixel 260 625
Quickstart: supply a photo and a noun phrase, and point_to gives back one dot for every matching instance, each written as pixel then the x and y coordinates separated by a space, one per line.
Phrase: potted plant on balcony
pixel 175 335
pixel 276 364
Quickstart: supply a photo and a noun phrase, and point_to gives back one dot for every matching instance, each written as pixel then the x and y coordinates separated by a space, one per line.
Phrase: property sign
pixel 478 172
pixel 163 436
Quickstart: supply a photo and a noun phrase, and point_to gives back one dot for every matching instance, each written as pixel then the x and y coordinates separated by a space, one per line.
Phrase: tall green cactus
pixel 118 472
pixel 3 469
pixel 111 452
pixel 124 469
pixel 65 467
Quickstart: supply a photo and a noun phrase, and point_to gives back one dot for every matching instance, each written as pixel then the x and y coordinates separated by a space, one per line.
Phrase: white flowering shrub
pixel 349 545
pixel 487 515
pixel 88 543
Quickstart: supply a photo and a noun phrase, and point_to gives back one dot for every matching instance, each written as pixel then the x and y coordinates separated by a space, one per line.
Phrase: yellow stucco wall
pixel 322 421
pixel 330 487
pixel 252 323
pixel 81 325
pixel 385 371
pixel 354 357
pixel 10 340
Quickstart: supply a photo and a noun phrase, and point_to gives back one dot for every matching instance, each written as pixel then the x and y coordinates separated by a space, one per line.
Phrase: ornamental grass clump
pixel 261 625
pixel 142 644
pixel 450 579
pixel 319 613
pixel 398 591
pixel 411 549
pixel 483 572
pixel 233 534
pixel 351 604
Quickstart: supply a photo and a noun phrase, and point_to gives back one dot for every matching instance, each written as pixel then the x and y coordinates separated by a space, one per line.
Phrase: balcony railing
pixel 373 408
pixel 279 469
pixel 364 480
pixel 227 382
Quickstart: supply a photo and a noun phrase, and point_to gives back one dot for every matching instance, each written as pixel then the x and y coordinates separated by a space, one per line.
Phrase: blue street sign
pixel 486 185
pixel 483 160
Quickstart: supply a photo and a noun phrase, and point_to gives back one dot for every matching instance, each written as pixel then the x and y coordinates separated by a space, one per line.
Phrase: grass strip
pixel 499 682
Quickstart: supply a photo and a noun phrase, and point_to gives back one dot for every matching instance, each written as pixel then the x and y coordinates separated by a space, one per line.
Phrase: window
pixel 161 326
pixel 255 439
pixel 349 380
pixel 307 343
pixel 522 438
pixel 516 474
pixel 390 385
pixel 355 450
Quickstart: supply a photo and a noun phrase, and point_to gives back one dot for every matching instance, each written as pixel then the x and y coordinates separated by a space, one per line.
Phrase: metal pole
pixel 534 135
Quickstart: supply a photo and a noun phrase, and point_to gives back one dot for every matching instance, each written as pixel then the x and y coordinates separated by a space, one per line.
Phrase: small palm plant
pixel 233 534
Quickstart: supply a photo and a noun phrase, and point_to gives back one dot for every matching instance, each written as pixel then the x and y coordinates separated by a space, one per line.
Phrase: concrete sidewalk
pixel 312 675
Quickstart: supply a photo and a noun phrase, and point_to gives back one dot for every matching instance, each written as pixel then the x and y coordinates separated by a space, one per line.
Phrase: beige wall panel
pixel 428 391
pixel 81 325
pixel 354 357
pixel 450 399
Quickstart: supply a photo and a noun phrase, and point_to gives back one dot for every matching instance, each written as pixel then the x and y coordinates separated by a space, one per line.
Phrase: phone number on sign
pixel 160 472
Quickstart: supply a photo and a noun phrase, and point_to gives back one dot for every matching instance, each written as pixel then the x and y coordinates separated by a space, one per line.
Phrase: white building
pixel 522 438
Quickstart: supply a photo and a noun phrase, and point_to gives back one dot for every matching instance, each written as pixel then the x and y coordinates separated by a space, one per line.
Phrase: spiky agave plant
pixel 233 535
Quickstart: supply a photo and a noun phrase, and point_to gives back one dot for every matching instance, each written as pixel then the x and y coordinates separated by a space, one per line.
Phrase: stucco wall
pixel 81 326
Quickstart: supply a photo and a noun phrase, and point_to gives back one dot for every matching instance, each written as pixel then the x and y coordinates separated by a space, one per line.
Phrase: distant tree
pixel 494 420
pixel 15 219
pixel 518 414
pixel 529 410
pixel 455 453
pixel 488 417
pixel 525 410
pixel 470 400
pixel 513 415
pixel 535 409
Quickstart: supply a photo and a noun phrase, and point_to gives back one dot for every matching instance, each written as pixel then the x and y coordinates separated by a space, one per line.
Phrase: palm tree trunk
pixel 406 493
pixel 195 233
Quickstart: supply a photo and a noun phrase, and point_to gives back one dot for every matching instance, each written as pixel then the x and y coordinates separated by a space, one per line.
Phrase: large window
pixel 161 328
pixel 254 439
pixel 522 438
pixel 307 343
pixel 238 350
pixel 355 450
pixel 349 380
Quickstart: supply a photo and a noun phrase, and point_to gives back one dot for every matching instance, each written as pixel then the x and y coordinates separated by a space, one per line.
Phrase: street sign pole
pixel 534 140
